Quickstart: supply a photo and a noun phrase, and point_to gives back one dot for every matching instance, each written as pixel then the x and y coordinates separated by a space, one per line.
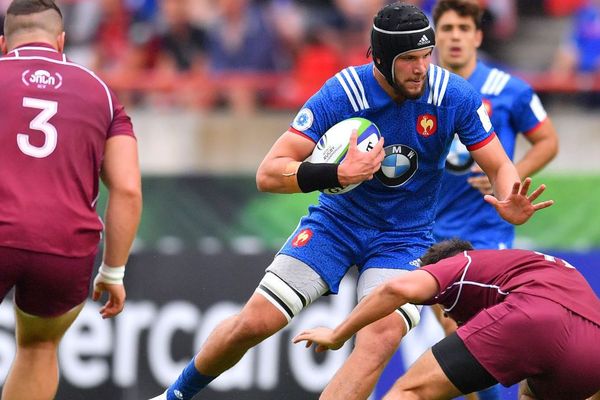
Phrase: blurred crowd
pixel 244 54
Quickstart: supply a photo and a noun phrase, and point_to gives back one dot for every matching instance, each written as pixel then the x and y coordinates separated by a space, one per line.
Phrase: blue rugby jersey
pixel 513 108
pixel 417 133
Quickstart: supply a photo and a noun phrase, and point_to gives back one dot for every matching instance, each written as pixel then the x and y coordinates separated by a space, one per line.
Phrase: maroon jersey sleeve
pixel 121 123
pixel 446 272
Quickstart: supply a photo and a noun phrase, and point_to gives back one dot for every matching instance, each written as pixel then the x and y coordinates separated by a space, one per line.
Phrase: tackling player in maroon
pixel 62 128
pixel 523 317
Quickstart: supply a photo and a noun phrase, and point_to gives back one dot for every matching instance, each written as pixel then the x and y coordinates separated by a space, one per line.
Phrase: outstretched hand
pixel 518 207
pixel 322 337
pixel 359 166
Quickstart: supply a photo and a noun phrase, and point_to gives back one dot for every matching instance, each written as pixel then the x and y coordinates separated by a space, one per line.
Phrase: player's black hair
pixel 445 249
pixel 27 7
pixel 464 8
pixel 397 29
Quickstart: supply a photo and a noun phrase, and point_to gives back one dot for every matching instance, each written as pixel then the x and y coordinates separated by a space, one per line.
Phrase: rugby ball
pixel 333 145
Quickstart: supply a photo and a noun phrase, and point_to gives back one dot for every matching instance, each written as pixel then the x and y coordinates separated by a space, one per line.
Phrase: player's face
pixel 457 40
pixel 410 72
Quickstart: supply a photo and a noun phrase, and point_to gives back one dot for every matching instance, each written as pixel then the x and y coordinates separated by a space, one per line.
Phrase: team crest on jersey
pixel 488 106
pixel 459 160
pixel 302 238
pixel 303 120
pixel 42 79
pixel 398 166
pixel 426 125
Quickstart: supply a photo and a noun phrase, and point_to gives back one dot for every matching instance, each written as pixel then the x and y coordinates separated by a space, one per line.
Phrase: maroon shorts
pixel 533 338
pixel 46 285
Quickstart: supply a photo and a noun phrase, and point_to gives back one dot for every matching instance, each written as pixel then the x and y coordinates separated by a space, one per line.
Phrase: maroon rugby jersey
pixel 474 280
pixel 56 118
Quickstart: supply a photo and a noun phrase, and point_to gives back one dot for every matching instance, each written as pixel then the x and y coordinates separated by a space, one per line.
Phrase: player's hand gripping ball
pixel 333 145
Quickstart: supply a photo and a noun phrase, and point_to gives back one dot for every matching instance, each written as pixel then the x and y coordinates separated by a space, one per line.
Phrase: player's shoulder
pixel 85 73
pixel 447 89
pixel 46 60
pixel 499 82
pixel 349 87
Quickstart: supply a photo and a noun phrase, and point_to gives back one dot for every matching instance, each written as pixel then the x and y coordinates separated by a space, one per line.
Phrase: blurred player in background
pixel 524 317
pixel 383 225
pixel 513 108
pixel 61 128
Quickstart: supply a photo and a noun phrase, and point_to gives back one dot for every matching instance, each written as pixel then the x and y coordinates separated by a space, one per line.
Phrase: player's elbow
pixel 267 182
pixel 403 290
pixel 553 147
pixel 394 291
pixel 262 181
pixel 130 191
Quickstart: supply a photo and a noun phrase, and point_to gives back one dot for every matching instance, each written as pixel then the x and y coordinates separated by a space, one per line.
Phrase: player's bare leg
pixel 423 380
pixel 375 344
pixel 34 373
pixel 595 397
pixel 232 338
pixel 524 392
pixel 226 345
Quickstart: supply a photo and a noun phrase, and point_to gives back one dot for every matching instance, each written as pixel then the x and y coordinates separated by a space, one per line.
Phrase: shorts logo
pixel 302 238
pixel 488 106
pixel 303 120
pixel 426 125
pixel 42 79
pixel 459 160
pixel 399 165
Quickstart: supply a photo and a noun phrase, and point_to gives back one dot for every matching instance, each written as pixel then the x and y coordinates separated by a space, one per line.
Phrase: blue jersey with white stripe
pixel 513 108
pixel 417 133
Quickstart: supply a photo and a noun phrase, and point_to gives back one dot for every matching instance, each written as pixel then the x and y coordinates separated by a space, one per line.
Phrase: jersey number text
pixel 40 123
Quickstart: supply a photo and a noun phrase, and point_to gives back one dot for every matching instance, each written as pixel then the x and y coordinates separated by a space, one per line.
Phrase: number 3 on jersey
pixel 40 123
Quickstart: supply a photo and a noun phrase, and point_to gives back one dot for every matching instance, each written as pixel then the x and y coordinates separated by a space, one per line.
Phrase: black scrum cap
pixel 397 29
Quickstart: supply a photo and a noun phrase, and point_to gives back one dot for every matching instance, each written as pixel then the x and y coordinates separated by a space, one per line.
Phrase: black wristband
pixel 317 176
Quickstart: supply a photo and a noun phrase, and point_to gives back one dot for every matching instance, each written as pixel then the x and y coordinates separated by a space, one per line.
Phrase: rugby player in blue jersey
pixel 383 225
pixel 514 109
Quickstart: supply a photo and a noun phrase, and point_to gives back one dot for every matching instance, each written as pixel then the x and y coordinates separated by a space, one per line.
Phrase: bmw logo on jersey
pixel 459 160
pixel 398 166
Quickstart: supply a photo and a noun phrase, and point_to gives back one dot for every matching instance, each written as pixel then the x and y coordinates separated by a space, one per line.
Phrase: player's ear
pixel 3 46
pixel 60 41
pixel 478 37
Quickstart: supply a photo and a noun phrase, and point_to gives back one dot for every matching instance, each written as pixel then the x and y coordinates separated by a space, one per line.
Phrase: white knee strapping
pixel 411 314
pixel 281 295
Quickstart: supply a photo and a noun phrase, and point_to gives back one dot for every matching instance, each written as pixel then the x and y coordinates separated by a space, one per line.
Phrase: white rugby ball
pixel 333 145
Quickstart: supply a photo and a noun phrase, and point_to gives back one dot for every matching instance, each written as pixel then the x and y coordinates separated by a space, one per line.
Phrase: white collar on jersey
pixel 35 47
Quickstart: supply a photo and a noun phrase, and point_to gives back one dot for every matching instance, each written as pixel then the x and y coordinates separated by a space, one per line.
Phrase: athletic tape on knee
pixel 411 314
pixel 281 295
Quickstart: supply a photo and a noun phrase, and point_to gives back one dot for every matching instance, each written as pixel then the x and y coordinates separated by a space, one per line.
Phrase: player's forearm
pixel 278 176
pixel 378 304
pixel 504 179
pixel 538 156
pixel 122 218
